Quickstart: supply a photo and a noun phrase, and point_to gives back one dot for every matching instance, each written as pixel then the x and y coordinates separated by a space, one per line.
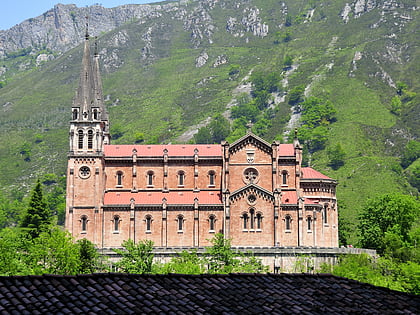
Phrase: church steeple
pixel 89 128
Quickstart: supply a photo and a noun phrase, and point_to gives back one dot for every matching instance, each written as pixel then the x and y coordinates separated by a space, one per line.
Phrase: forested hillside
pixel 344 74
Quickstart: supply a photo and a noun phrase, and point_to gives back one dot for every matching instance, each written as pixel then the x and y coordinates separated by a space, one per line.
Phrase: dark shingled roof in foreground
pixel 189 294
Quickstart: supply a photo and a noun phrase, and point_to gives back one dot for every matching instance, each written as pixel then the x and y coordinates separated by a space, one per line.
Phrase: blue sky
pixel 15 11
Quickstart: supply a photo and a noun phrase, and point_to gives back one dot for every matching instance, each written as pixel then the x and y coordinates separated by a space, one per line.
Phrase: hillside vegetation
pixel 345 74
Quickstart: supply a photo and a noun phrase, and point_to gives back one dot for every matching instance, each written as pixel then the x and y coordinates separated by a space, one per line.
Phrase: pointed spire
pixel 85 91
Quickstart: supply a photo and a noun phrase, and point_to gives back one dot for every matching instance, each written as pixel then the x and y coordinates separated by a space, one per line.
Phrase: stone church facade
pixel 255 193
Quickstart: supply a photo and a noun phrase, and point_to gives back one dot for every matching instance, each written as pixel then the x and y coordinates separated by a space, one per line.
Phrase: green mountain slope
pixel 165 74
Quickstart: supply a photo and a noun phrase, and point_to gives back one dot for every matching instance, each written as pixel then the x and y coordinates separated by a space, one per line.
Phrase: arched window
pixel 325 214
pixel 150 175
pixel 119 178
pixel 245 219
pixel 180 222
pixel 259 221
pixel 252 218
pixel 212 178
pixel 309 224
pixel 212 222
pixel 288 220
pixel 148 223
pixel 116 223
pixel 284 178
pixel 181 178
pixel 80 135
pixel 90 139
pixel 95 114
pixel 84 221
pixel 75 114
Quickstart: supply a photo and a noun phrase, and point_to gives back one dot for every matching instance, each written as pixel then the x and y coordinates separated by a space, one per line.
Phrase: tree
pixel 336 156
pixel 203 136
pixel 385 216
pixel 54 252
pixel 410 153
pixel 296 94
pixel 220 128
pixel 136 258
pixel 89 258
pixel 186 262
pixel 287 61
pixel 221 257
pixel 38 215
pixel 396 105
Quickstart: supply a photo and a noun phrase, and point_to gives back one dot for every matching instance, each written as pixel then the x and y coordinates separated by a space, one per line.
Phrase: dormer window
pixel 95 114
pixel 75 114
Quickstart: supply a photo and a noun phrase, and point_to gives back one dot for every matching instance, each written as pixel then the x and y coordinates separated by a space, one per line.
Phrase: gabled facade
pixel 254 192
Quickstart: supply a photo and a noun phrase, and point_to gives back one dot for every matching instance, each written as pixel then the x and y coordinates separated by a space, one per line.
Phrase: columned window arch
pixel 90 139
pixel 80 135
pixel 258 218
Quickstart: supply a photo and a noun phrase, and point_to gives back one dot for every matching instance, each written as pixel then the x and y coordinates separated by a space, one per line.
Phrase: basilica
pixel 179 195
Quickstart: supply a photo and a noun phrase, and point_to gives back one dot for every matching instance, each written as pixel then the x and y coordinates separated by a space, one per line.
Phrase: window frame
pixel 148 221
pixel 180 223
pixel 119 176
pixel 150 175
pixel 90 139
pixel 116 224
pixel 212 223
pixel 181 178
pixel 83 223
pixel 288 223
pixel 80 139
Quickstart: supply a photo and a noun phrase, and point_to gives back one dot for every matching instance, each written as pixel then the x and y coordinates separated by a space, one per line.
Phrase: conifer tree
pixel 37 215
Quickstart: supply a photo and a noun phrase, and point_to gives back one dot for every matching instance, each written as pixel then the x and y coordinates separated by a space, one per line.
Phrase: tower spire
pixel 85 91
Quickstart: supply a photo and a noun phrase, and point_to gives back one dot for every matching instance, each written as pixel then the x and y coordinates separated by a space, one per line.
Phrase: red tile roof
pixel 157 150
pixel 155 198
pixel 177 150
pixel 289 197
pixel 286 149
pixel 310 173
pixel 199 294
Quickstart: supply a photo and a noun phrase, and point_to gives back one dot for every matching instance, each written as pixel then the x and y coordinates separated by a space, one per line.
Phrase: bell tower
pixel 89 133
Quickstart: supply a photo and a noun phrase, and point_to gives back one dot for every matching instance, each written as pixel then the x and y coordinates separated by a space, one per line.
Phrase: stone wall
pixel 278 259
